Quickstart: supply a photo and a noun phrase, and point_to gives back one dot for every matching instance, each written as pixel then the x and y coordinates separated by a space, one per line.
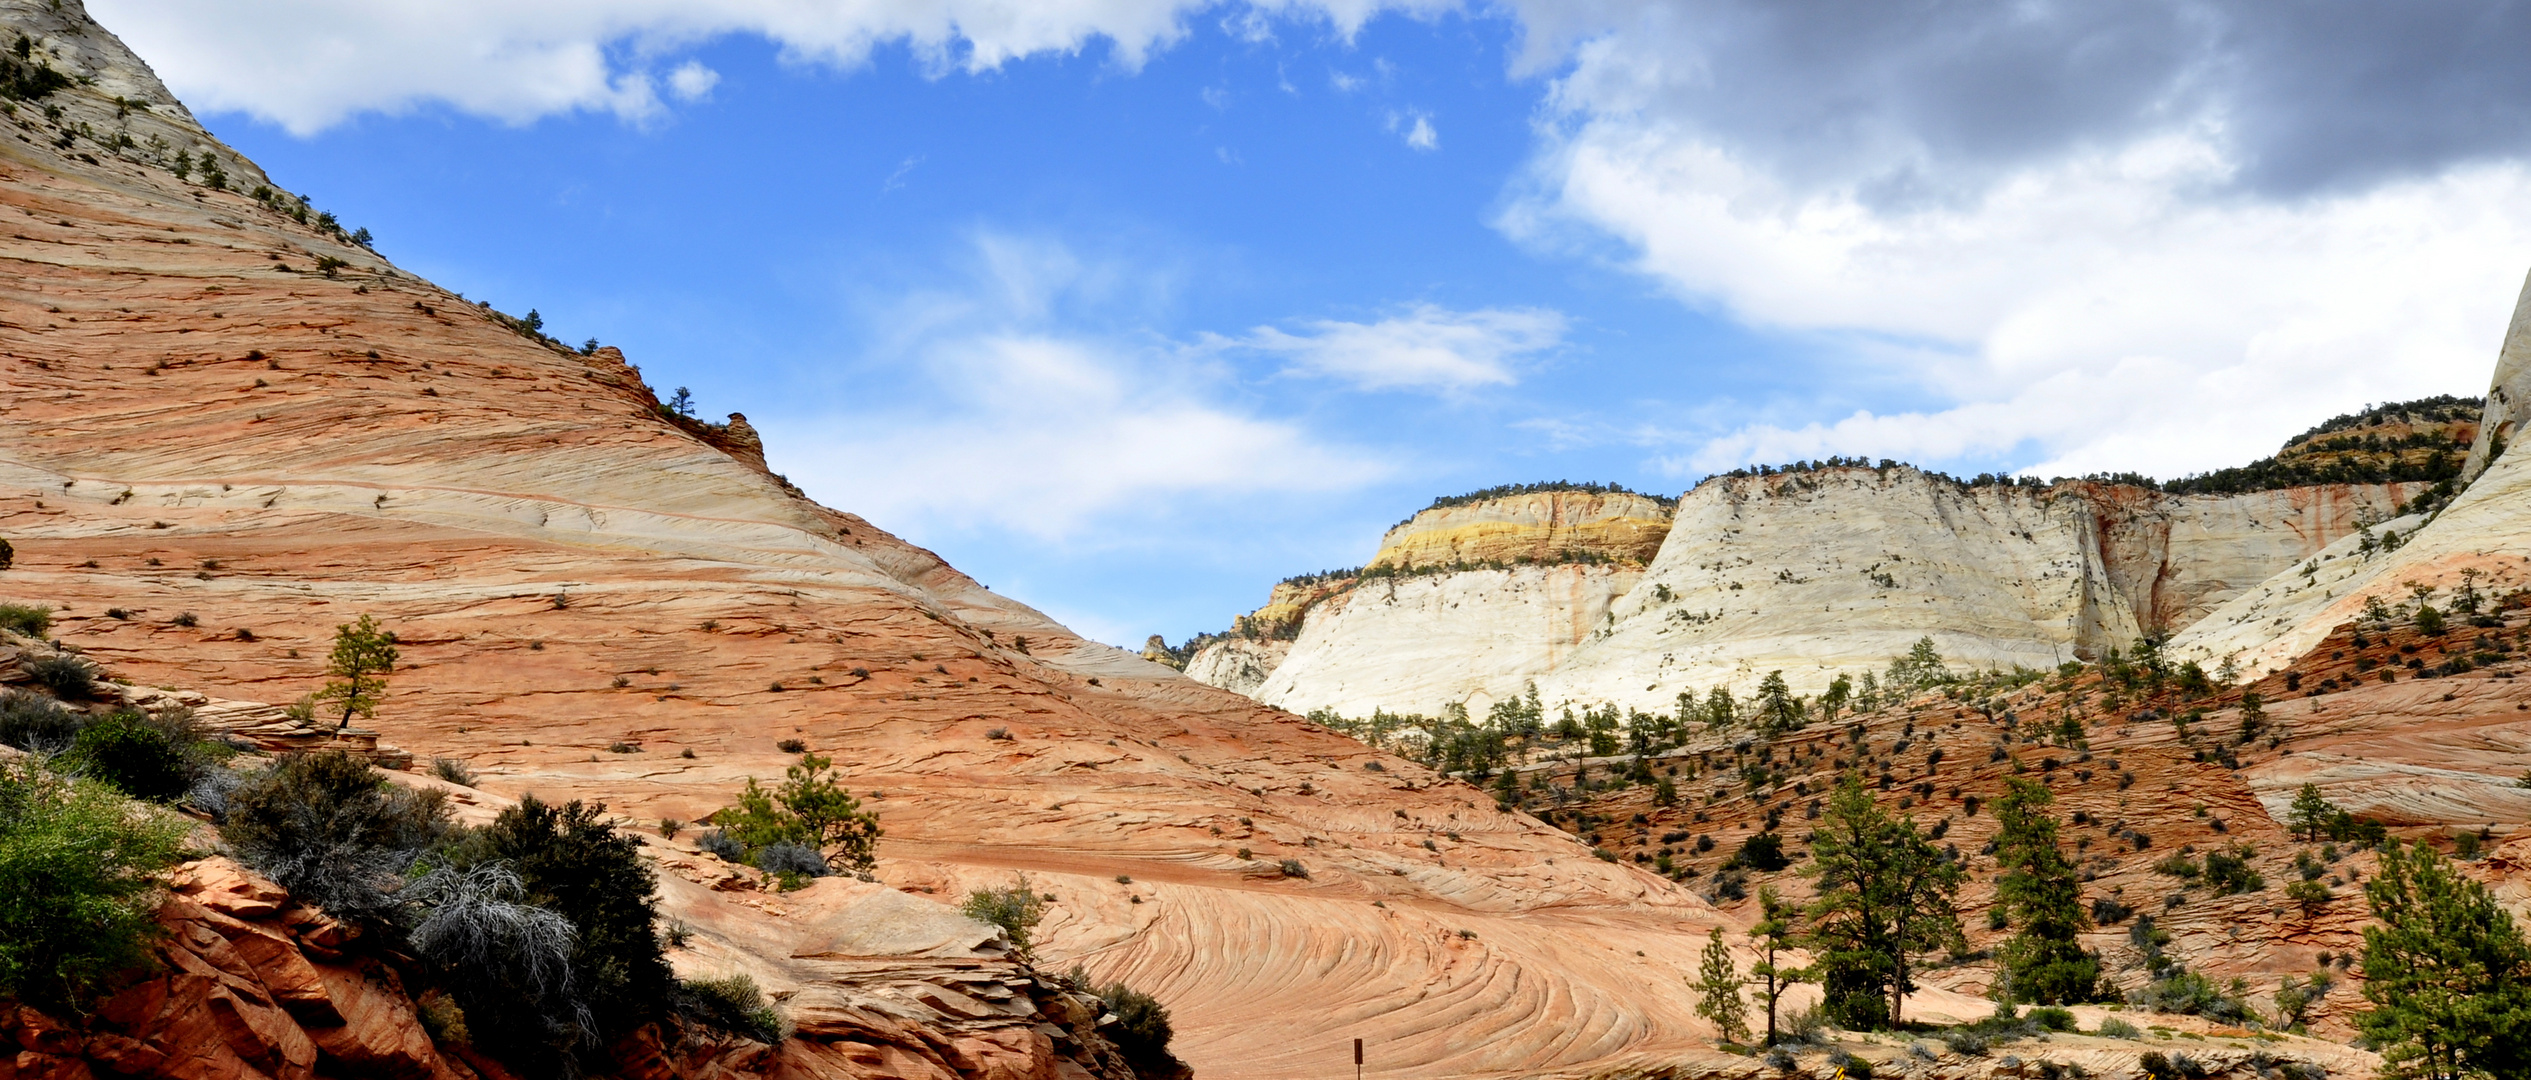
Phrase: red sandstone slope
pixel 237 452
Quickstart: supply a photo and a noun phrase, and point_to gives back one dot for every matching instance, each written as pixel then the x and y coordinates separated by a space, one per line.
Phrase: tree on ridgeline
pixel 1778 710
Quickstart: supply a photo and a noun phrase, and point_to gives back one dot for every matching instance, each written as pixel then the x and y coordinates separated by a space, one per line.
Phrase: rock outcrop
pixel 1548 526
pixel 1810 572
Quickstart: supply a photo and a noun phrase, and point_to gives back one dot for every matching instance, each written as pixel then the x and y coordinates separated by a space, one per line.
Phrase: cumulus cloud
pixel 1016 419
pixel 2158 236
pixel 691 81
pixel 1425 348
pixel 310 64
pixel 1416 128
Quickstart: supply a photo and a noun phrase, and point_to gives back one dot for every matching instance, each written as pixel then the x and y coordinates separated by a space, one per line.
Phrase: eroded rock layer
pixel 1540 526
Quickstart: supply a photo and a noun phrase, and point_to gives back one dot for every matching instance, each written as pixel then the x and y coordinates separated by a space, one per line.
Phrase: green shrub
pixel 2052 1018
pixel 453 770
pixel 1016 908
pixel 38 724
pixel 1762 852
pixel 1141 1031
pixel 333 831
pixel 574 863
pixel 79 870
pixel 146 757
pixel 441 1018
pixel 28 619
pixel 2229 872
pixel 68 677
pixel 733 1004
pixel 811 810
pixel 2114 1028
pixel 2188 992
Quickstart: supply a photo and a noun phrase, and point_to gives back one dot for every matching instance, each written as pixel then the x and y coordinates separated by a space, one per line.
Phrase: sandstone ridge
pixel 227 427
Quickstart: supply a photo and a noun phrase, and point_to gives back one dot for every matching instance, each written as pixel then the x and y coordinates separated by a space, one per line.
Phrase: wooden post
pixel 1357 1059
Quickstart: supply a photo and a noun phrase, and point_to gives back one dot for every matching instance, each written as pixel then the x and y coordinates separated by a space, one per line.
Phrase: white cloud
pixel 1418 133
pixel 2123 304
pixel 1017 423
pixel 310 64
pixel 1427 348
pixel 691 81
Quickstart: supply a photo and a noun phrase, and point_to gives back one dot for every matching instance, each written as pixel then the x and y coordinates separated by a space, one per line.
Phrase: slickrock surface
pixel 595 602
pixel 1415 644
pixel 1811 573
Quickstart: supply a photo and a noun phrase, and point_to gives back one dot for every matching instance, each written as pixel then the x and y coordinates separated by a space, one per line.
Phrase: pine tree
pixel 1778 710
pixel 1920 668
pixel 1885 893
pixel 362 657
pixel 1778 919
pixel 1720 712
pixel 2310 813
pixel 2447 971
pixel 1840 691
pixel 2044 962
pixel 1718 986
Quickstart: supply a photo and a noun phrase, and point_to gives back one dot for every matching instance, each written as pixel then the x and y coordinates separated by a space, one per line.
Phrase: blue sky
pixel 1131 313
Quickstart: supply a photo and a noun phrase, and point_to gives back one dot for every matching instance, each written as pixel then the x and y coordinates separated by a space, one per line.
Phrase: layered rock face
pixel 1842 569
pixel 1465 599
pixel 1811 573
pixel 236 430
pixel 1542 526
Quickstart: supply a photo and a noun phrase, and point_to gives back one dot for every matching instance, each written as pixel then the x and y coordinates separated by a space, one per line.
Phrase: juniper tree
pixel 2447 971
pixel 2041 893
pixel 1885 893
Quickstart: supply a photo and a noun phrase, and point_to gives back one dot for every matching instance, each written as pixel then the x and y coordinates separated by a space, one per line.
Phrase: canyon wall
pixel 1809 572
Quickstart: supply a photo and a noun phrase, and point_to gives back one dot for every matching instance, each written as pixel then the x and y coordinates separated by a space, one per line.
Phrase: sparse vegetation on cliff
pixel 1015 908
pixel 25 77
pixel 1509 491
pixel 810 810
